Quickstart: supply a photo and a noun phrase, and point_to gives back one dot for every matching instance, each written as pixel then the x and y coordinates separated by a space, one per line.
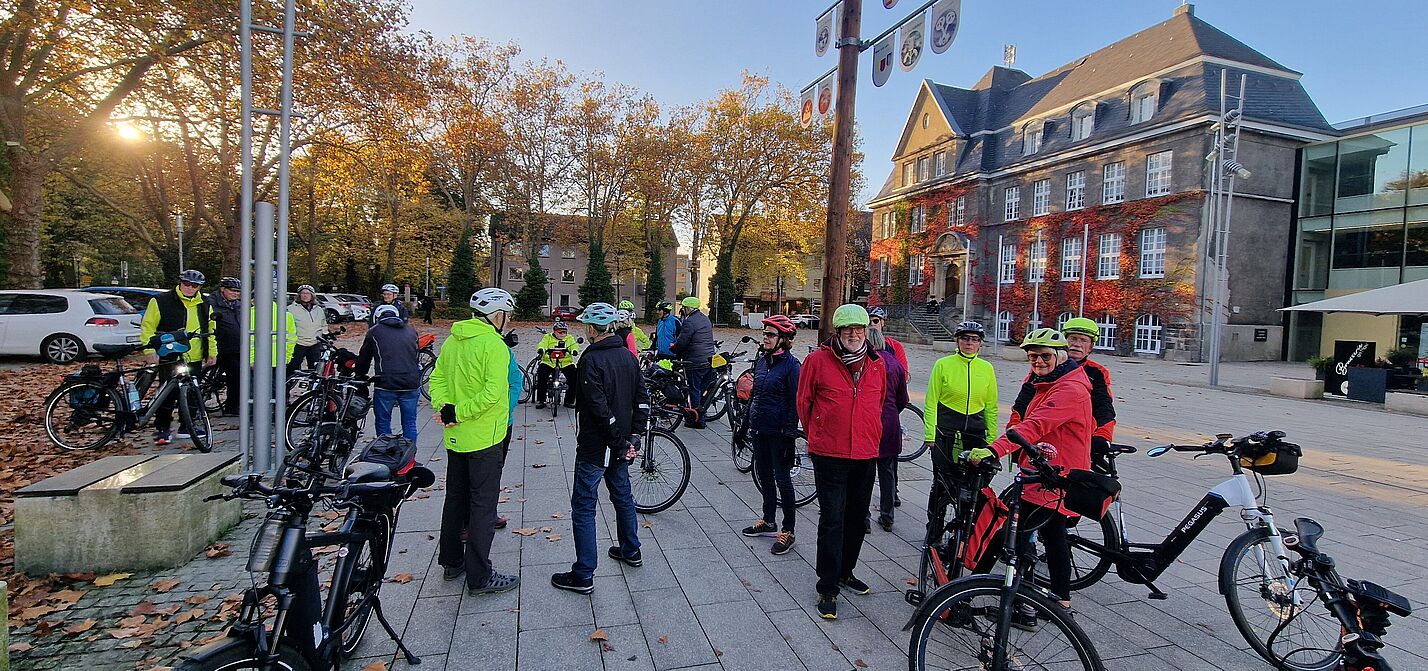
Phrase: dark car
pixel 138 297
pixel 564 312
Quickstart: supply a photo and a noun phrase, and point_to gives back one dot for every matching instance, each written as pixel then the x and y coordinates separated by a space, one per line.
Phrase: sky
pixel 1358 58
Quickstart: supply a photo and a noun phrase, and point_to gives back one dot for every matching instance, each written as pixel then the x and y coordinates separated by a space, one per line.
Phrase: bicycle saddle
pixel 115 351
pixel 366 471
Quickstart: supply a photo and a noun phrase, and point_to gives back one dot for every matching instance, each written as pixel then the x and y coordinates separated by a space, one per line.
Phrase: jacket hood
pixel 606 343
pixel 471 328
pixel 190 302
pixel 394 322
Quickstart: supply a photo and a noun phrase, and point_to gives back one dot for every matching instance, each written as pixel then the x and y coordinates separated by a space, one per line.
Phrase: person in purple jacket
pixel 891 446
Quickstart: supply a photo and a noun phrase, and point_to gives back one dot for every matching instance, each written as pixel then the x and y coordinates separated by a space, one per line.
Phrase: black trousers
pixel 229 365
pixel 164 416
pixel 301 353
pixel 426 314
pixel 887 488
pixel 845 488
pixel 773 459
pixel 545 374
pixel 473 485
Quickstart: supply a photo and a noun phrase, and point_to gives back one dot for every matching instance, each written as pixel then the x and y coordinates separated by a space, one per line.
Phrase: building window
pixel 1113 183
pixel 919 219
pixel 1152 252
pixel 1108 260
pixel 961 211
pixel 1031 138
pixel 565 299
pixel 1008 269
pixel 567 253
pixel 515 274
pixel 889 224
pixel 1036 261
pixel 1013 201
pixel 1061 320
pixel 1004 322
pixel 924 166
pixel 1034 323
pixel 1083 120
pixel 884 272
pixel 545 251
pixel 907 174
pixel 1147 334
pixel 914 270
pixel 1107 326
pixel 1157 174
pixel 1076 190
pixel 939 164
pixel 1143 101
pixel 1070 259
pixel 568 276
pixel 1040 197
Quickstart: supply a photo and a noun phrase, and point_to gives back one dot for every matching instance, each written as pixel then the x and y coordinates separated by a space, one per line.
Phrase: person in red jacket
pixel 877 317
pixel 1081 337
pixel 1058 414
pixel 840 402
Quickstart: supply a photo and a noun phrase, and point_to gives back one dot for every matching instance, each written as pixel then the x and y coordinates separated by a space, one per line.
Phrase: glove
pixel 1099 445
pixel 978 454
pixel 512 339
pixel 448 414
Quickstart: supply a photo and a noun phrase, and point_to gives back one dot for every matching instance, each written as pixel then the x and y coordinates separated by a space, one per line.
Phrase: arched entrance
pixel 950 259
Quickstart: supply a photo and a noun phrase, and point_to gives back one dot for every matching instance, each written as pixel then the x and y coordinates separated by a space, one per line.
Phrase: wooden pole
pixel 835 235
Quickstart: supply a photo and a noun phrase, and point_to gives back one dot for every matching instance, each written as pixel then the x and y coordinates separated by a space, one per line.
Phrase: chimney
pixel 1185 8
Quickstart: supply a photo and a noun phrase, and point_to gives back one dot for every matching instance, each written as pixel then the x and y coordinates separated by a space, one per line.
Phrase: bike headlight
pixel 181 369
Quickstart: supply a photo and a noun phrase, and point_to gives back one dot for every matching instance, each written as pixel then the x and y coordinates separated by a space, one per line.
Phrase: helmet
pixel 782 324
pixel 972 327
pixel 191 276
pixel 666 306
pixel 384 312
pixel 627 305
pixel 692 302
pixel 877 311
pixel 559 326
pixel 306 287
pixel 491 299
pixel 1044 337
pixel 392 288
pixel 625 317
pixel 230 283
pixel 598 314
pixel 1082 326
pixel 850 314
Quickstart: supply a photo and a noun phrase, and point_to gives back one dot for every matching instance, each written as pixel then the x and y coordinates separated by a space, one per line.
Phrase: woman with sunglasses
pixel 773 421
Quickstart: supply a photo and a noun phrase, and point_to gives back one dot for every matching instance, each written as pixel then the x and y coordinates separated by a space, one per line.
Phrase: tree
pixel 534 170
pixel 462 281
pixel 597 287
pixel 533 295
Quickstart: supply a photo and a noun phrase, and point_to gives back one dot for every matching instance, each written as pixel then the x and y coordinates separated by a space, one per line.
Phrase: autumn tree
pixel 662 165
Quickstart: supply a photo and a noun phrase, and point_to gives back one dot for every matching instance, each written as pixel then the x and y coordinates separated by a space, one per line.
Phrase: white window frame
pixel 914 269
pixel 1113 183
pixel 567 253
pixel 909 177
pixel 1083 122
pixel 961 217
pixel 1040 197
pixel 939 163
pixel 884 272
pixel 1158 168
pixel 1008 265
pixel 1004 322
pixel 563 273
pixel 1036 262
pixel 1062 318
pixel 1108 257
pixel 918 219
pixel 1144 102
pixel 1075 190
pixel 514 274
pixel 924 169
pixel 1148 335
pixel 1012 198
pixel 1152 252
pixel 1031 136
pixel 1107 326
pixel 1033 323
pixel 1071 253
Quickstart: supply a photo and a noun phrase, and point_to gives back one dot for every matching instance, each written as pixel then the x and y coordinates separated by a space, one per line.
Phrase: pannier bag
pixel 991 517
pixel 84 399
pixel 425 340
pixel 744 388
pixel 1270 457
pixel 1090 494
pixel 396 452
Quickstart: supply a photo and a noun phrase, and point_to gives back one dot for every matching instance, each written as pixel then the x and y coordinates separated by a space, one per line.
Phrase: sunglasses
pixel 772 334
pixel 875 320
pixel 189 284
pixel 1040 356
pixel 969 338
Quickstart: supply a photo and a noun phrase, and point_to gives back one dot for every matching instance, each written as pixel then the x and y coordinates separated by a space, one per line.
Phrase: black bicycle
pixel 961 490
pixel 283 622
pixel 660 474
pixel 329 398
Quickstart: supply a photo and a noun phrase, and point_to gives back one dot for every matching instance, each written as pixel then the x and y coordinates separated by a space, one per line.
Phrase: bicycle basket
pixel 1090 494
pixel 744 388
pixel 1271 457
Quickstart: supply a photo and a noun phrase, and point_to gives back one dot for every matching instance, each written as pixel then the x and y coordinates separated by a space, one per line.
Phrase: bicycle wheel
pixel 193 416
pixel 244 656
pixel 741 447
pixel 213 382
pixel 912 433
pixel 82 415
pixel 305 413
pixel 528 380
pixel 805 488
pixel 956 629
pixel 362 581
pixel 660 475
pixel 1088 563
pixel 717 404
pixel 1262 595
pixel 426 381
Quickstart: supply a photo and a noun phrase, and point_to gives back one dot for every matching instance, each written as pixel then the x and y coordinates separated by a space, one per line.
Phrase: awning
pixel 1409 298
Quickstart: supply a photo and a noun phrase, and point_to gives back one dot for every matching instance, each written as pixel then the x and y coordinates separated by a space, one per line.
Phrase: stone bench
pixel 1414 404
pixel 123 513
pixel 1293 387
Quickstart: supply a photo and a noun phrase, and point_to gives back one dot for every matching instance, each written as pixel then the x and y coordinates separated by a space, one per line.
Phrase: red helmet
pixel 782 324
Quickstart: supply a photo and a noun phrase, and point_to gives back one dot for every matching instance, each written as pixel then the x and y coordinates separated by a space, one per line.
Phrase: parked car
pixel 564 312
pixel 63 325
pixel 337 310
pixel 138 297
pixel 806 322
pixel 361 307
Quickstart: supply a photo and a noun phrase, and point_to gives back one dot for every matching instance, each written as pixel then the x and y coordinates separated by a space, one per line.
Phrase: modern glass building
pixel 1362 224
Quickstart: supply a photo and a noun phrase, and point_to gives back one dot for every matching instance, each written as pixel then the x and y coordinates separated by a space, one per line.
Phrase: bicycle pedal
pixel 914 597
pixel 1155 593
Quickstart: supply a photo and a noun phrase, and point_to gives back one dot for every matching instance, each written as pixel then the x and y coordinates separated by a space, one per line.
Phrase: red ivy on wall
pixel 937 205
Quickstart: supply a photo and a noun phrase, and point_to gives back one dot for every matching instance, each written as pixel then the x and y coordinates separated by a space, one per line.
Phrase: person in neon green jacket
pixel 961 413
pixel 291 329
pixel 559 337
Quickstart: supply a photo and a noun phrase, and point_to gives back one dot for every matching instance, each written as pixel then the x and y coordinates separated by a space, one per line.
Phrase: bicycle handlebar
pixel 250 486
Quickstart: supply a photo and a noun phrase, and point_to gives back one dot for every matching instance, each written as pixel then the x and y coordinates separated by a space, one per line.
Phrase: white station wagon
pixel 63 325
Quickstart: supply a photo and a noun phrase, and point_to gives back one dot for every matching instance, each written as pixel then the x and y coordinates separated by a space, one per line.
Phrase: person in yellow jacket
pixel 292 338
pixel 961 413
pixel 558 338
pixel 177 313
pixel 469 386
pixel 642 339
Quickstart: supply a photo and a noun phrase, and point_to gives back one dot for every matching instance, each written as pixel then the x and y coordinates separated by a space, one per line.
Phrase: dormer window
pixel 1031 137
pixel 1083 121
pixel 1144 100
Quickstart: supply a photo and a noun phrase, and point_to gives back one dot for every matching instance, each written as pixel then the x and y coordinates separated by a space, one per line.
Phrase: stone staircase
pixel 930 326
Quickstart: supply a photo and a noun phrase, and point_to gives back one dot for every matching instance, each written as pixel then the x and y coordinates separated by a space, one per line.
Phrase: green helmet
pixel 626 305
pixel 1083 326
pixel 1044 337
pixel 850 315
pixel 692 302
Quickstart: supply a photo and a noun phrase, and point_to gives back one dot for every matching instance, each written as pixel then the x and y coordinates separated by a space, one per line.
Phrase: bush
pixel 1320 363
pixel 1402 357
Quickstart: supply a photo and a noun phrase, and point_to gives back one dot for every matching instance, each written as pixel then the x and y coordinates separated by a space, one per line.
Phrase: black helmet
pixel 192 277
pixel 878 311
pixel 667 306
pixel 230 283
pixel 972 327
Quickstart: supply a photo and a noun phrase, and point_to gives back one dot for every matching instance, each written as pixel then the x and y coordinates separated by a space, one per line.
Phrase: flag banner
pixel 805 114
pixel 883 59
pixel 889 4
pixel 823 34
pixel 825 95
pixel 946 17
pixel 912 41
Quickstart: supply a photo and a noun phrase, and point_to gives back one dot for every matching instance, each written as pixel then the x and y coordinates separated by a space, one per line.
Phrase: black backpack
pixel 395 452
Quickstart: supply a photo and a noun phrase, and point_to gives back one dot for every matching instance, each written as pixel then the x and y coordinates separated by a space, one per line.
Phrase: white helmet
pixel 491 300
pixel 624 318
pixel 391 287
pixel 386 312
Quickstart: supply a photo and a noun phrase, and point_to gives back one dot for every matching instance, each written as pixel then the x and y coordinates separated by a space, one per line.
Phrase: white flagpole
pixel 1036 286
pixel 997 311
pixel 1085 252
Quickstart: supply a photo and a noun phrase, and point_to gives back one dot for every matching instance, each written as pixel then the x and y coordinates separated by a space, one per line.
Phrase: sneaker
pixel 867 525
pixel 498 582
pixel 182 435
pixel 163 438
pixel 783 544
pixel 572 583
pixel 886 523
pixel 1024 618
pixel 540 406
pixel 501 523
pixel 759 528
pixel 828 607
pixel 636 559
pixel 452 572
pixel 897 503
pixel 856 586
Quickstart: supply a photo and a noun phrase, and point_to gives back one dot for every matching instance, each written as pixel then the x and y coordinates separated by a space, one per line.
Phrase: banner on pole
pixel 912 41
pixel 946 17
pixel 883 59
pixel 825 95
pixel 826 30
pixel 805 114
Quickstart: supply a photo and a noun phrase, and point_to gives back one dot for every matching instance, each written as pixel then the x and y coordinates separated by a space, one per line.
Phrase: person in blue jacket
pixel 666 330
pixel 773 421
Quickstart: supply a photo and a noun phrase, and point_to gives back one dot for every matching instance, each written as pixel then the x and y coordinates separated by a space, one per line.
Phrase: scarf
pixel 850 358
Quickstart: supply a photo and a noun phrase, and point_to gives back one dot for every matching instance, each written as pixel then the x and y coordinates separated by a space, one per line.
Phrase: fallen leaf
pixel 607 647
pixel 197 599
pixel 80 627
pixel 378 665
pixel 600 635
pixel 524 531
pixel 401 578
pixel 860 664
pixel 218 550
pixel 144 608
pixel 556 516
pixel 132 643
pixel 105 581
pixel 20 647
pixel 647 524
pixel 546 530
pixel 123 633
pixel 163 586
pixel 35 612
pixel 66 597
pixel 132 621
pixel 553 537
pixel 169 609
pixel 911 581
pixel 189 615
pixel 503 499
pixel 664 640
pixel 537 465
pixel 718 652
pixel 520 500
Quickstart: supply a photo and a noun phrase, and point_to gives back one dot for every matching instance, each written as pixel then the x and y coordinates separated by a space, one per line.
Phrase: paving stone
pixel 672 630
pixel 545 607
pixel 557 649
pixel 744 637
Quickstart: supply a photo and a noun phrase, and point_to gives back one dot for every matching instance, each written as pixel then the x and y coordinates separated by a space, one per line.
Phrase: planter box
pixel 1290 387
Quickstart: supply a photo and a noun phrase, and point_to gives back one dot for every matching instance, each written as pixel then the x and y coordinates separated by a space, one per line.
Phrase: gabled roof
pixel 930 91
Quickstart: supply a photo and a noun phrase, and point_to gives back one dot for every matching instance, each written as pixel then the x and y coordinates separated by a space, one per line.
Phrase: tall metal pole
pixel 285 137
pixel 180 243
pixel 1218 177
pixel 1085 252
pixel 262 359
pixel 835 233
pixel 1222 275
pixel 245 225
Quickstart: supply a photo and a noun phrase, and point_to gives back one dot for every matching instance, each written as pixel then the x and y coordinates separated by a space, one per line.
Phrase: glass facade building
pixel 1362 224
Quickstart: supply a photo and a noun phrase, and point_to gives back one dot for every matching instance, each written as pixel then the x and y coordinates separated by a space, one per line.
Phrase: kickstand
pixel 1155 592
pixel 382 618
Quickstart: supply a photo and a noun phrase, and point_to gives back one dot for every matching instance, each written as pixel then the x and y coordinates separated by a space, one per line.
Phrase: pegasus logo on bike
pixel 1189 523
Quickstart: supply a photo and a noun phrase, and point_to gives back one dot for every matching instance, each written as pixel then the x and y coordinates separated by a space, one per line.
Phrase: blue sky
pixel 1358 58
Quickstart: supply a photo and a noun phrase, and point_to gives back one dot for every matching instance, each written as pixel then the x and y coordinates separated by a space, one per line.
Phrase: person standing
pixel 311 321
pixel 389 297
pixel 613 408
pixel 840 402
pixel 426 304
pixel 642 339
pixel 695 347
pixel 517 383
pixel 961 413
pixel 773 422
pixel 877 318
pixel 1081 336
pixel 891 444
pixel 475 415
pixel 625 329
pixel 225 306
pixel 559 338
pixel 666 331
pixel 392 345
pixel 179 312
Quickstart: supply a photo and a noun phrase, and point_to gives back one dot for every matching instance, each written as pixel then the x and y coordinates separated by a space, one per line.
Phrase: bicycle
pixel 213 382
pixel 911 418
pixel 426 361
pixel 981 607
pixel 945 545
pixel 307 632
pixel 661 472
pixel 335 401
pixel 90 408
pixel 805 487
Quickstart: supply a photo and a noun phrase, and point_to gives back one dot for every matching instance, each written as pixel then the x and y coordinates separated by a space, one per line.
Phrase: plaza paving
pixel 709 598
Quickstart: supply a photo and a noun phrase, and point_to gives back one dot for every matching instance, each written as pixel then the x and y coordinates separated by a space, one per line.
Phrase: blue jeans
pixel 383 399
pixel 583 499
pixel 699 381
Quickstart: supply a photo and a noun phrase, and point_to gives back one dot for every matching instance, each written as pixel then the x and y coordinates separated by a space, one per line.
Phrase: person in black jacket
pixel 611 410
pixel 225 305
pixel 392 344
pixel 695 346
pixel 773 418
pixel 390 296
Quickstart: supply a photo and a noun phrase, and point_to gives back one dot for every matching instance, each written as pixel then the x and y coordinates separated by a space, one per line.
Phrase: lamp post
pixel 1225 168
pixel 180 242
